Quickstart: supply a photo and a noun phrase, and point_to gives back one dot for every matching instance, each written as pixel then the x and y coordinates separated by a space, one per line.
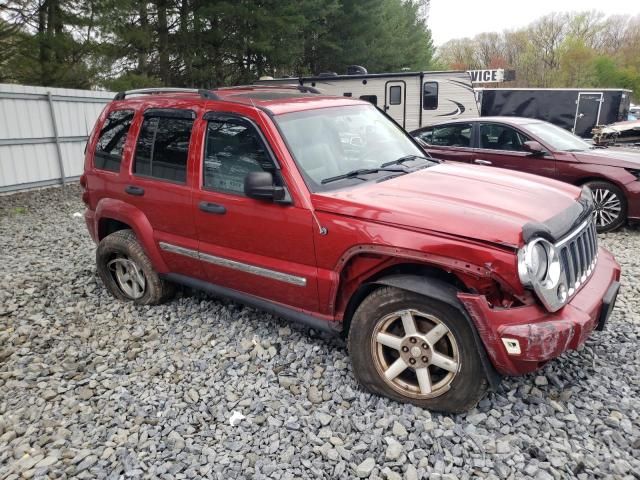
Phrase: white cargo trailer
pixel 412 99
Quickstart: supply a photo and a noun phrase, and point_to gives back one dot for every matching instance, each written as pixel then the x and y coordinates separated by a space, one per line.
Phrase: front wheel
pixel 610 206
pixel 412 348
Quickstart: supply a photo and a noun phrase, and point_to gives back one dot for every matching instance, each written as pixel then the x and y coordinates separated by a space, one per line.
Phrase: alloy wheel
pixel 129 277
pixel 415 353
pixel 608 207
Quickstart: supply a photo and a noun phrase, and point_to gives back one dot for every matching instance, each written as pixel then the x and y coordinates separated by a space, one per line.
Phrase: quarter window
pixel 456 135
pixel 430 96
pixel 501 137
pixel 395 95
pixel 108 154
pixel 162 148
pixel 233 149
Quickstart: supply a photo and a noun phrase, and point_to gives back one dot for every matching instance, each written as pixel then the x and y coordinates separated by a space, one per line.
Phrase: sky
pixel 448 19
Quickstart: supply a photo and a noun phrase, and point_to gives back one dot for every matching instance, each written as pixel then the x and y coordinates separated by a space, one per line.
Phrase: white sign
pixel 487 76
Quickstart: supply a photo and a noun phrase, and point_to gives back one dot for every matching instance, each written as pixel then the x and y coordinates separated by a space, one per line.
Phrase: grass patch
pixel 19 211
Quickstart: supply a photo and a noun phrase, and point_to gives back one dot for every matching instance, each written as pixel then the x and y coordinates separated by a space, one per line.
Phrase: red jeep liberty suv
pixel 323 211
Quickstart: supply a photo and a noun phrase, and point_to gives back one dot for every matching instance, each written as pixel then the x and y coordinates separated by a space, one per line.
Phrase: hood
pixel 613 157
pixel 484 203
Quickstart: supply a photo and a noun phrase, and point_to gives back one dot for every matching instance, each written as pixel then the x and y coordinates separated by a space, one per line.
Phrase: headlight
pixel 539 265
pixel 540 270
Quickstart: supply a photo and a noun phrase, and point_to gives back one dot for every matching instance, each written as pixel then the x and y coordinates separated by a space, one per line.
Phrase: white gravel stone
pixel 111 390
pixel 364 469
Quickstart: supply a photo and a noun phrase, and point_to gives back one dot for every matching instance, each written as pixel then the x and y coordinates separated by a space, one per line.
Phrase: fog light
pixel 562 292
pixel 512 345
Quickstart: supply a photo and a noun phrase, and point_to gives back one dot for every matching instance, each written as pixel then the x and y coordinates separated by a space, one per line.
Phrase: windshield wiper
pixel 361 171
pixel 406 158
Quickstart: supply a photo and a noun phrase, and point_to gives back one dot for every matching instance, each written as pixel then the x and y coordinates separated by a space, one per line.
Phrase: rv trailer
pixel 412 99
pixel 578 110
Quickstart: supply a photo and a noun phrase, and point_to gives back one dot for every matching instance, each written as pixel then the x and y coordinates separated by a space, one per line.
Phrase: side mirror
pixel 534 148
pixel 259 185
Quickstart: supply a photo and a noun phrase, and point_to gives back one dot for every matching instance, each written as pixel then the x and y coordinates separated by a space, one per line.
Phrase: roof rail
pixel 300 88
pixel 208 94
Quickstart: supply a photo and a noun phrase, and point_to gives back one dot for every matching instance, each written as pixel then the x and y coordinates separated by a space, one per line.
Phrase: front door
pixel 501 146
pixel 253 246
pixel 395 101
pixel 587 113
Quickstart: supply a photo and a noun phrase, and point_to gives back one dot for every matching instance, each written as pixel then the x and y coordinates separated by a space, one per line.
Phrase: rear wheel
pixel 415 349
pixel 610 206
pixel 127 272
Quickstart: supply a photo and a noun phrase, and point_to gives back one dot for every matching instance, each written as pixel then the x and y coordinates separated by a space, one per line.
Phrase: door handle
pixel 482 162
pixel 133 190
pixel 209 207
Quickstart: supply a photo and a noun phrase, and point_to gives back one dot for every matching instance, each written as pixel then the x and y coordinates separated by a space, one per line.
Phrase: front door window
pixel 501 137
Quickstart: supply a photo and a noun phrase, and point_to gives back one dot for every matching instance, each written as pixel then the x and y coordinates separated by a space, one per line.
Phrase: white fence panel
pixel 31 154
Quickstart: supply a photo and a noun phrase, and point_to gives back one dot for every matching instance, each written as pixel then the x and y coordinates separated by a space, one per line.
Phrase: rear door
pixel 258 247
pixel 500 145
pixel 395 101
pixel 450 141
pixel 157 184
pixel 587 113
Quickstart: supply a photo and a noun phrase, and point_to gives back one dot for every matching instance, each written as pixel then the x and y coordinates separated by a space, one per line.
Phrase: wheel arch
pixel 440 290
pixel 595 178
pixel 108 225
pixel 117 215
pixel 407 267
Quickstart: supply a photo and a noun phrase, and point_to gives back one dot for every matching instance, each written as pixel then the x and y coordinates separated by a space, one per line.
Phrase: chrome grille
pixel 579 253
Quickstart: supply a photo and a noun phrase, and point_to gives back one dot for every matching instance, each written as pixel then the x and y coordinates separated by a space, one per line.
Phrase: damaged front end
pixel 575 283
pixel 627 132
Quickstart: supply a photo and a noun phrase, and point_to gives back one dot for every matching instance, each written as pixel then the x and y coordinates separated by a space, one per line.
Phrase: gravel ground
pixel 94 388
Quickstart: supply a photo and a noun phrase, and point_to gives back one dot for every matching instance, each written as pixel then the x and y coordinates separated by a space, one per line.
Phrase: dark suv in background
pixel 538 147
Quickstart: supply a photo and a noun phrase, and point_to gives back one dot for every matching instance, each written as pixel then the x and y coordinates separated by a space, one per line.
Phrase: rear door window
pixel 454 135
pixel 113 135
pixel 163 146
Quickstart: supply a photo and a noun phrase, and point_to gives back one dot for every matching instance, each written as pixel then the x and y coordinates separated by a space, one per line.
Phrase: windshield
pixel 558 138
pixel 339 146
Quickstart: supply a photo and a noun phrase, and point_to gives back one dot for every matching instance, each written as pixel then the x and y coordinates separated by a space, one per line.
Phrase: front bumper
pixel 535 335
pixel 90 220
pixel 633 200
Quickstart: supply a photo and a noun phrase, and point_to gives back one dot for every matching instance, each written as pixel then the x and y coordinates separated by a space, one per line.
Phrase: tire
pixel 453 391
pixel 120 254
pixel 610 206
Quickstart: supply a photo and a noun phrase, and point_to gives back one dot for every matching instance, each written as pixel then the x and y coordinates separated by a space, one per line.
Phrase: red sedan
pixel 538 147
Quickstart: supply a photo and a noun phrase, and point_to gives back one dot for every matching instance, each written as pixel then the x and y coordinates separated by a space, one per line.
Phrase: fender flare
pixel 445 293
pixel 139 223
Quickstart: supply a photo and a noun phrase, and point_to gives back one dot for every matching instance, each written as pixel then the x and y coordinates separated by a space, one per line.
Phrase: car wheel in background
pixel 610 206
pixel 412 348
pixel 127 272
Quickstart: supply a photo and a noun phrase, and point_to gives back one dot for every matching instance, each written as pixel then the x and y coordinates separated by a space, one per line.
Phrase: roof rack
pixel 208 94
pixel 290 86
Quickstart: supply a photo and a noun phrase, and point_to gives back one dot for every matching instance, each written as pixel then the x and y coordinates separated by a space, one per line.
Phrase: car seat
pixel 312 151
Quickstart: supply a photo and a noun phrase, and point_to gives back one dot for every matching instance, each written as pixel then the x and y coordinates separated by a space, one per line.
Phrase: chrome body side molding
pixel 235 265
